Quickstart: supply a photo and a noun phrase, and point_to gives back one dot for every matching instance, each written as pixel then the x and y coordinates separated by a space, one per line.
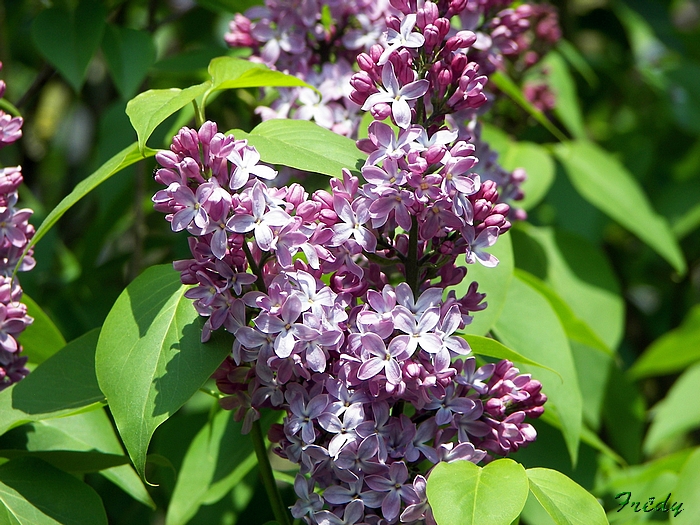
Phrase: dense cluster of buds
pixel 340 301
pixel 15 233
pixel 318 42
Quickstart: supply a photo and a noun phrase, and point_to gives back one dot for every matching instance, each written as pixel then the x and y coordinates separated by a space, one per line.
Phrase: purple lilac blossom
pixel 337 300
pixel 318 40
pixel 15 233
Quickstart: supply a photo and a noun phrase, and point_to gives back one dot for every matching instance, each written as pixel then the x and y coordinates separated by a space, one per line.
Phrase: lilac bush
pixel 338 300
pixel 15 233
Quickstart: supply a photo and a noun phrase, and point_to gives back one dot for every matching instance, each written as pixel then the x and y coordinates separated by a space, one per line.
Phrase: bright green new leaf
pixel 304 145
pixel 152 107
pixel 69 39
pixel 576 329
pixel 218 458
pixel 539 166
pixel 118 162
pixel 150 359
pixel 236 73
pixel 42 338
pixel 604 182
pixel 492 348
pixel 674 414
pixel 32 492
pixel 64 384
pixel 578 272
pixel 129 54
pixel 529 325
pixel 492 281
pixel 460 493
pixel 566 502
pixel 673 351
pixel 567 107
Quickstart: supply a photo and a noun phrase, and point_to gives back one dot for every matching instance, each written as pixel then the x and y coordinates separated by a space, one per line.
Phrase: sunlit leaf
pixel 604 182
pixel 80 443
pixel 539 166
pixel 150 108
pixel 150 358
pixel 460 493
pixel 304 145
pixel 491 348
pixel 236 73
pixel 578 272
pixel 32 492
pixel 62 385
pixel 529 325
pixel 494 282
pixel 686 495
pixel 566 502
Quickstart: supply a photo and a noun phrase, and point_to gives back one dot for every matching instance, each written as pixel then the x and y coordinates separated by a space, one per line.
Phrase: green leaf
pixel 121 160
pixel 68 40
pixel 566 502
pixel 604 182
pixel 529 325
pixel 674 415
pixel 673 351
pixel 129 54
pixel 150 358
pixel 80 443
pixel 492 348
pixel 304 145
pixel 236 73
pixel 576 329
pixel 150 108
pixel 32 492
pixel 687 492
pixel 62 385
pixel 578 272
pixel 636 477
pixel 126 478
pixel 505 84
pixel 567 107
pixel 218 458
pixel 460 493
pixel 539 166
pixel 41 339
pixel 492 281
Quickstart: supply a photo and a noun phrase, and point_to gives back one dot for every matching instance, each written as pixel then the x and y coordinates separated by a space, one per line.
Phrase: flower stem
pixel 278 507
pixel 412 259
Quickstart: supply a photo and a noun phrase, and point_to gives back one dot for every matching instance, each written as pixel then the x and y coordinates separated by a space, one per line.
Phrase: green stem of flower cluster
pixel 278 507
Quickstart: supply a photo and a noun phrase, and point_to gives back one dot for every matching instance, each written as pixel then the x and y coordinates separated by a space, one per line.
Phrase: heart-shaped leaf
pixel 129 54
pixel 460 493
pixel 69 39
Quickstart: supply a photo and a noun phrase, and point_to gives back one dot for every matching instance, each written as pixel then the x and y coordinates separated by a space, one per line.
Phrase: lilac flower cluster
pixel 339 301
pixel 343 359
pixel 15 233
